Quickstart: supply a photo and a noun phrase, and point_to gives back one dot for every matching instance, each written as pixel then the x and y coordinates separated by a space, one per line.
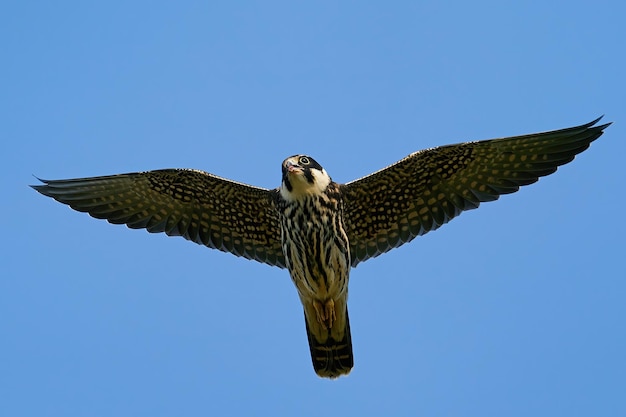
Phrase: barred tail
pixel 331 358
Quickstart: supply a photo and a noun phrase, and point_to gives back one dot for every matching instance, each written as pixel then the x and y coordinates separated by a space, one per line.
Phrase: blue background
pixel 513 309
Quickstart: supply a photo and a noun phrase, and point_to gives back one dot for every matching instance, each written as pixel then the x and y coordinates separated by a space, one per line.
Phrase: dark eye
pixel 304 160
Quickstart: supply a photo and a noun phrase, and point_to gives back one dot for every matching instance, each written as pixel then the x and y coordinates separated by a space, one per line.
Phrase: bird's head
pixel 302 176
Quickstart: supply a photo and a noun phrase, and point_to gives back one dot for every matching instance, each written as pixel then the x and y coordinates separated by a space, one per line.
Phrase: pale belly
pixel 317 255
pixel 320 273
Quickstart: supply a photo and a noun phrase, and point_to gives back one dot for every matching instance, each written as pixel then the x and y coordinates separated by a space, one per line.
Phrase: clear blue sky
pixel 514 309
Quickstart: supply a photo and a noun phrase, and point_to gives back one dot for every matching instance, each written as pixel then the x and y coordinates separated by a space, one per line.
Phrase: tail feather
pixel 331 358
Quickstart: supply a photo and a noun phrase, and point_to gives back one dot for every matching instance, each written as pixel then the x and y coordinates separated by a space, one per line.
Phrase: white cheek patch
pixel 302 188
pixel 286 194
pixel 321 180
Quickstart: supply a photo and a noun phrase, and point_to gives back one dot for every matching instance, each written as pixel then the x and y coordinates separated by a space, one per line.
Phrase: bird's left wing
pixel 428 188
pixel 198 206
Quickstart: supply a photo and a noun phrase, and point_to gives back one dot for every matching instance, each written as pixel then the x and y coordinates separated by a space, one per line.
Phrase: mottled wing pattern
pixel 430 187
pixel 198 206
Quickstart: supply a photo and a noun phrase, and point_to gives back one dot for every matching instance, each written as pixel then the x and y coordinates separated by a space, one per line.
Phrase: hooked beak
pixel 291 167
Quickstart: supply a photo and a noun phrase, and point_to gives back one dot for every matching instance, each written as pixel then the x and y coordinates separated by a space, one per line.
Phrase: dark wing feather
pixel 198 206
pixel 430 187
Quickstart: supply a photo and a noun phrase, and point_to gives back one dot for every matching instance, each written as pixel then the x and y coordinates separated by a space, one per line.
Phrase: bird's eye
pixel 304 160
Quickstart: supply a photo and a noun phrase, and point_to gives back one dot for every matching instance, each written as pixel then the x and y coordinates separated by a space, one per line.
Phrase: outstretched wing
pixel 430 187
pixel 198 206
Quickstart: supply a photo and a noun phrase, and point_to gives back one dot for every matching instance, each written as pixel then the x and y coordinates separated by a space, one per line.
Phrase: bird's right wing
pixel 428 188
pixel 198 206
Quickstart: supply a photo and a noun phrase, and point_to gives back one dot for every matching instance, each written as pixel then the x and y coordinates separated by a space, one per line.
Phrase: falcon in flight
pixel 319 229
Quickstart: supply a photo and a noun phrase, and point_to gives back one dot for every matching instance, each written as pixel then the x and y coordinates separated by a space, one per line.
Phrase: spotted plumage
pixel 319 229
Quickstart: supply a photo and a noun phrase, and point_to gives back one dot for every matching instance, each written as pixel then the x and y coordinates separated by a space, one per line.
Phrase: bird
pixel 319 229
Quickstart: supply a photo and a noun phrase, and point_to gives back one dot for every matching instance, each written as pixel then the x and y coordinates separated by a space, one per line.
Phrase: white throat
pixel 301 188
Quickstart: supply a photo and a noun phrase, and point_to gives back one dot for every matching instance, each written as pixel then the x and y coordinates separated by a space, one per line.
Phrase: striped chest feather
pixel 316 246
